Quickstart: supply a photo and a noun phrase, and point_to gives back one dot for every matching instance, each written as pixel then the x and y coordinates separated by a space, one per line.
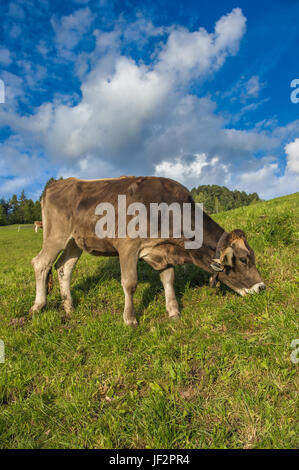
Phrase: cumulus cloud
pixel 137 117
pixel 193 169
pixel 196 53
pixel 292 152
pixel 267 181
pixel 14 90
pixel 134 114
pixel 32 73
pixel 14 185
pixel 258 175
pixel 70 29
pixel 20 168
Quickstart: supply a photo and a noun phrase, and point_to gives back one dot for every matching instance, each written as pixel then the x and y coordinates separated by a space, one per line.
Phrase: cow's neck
pixel 211 235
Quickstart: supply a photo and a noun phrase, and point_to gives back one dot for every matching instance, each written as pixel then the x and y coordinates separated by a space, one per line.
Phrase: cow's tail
pixel 49 281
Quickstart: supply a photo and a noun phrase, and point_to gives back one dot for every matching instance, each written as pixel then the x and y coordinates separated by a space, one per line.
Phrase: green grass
pixel 220 377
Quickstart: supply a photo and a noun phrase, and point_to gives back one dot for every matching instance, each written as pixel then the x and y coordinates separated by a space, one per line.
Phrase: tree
pixel 50 181
pixel 217 204
pixel 28 211
pixel 2 215
pixel 19 210
pixel 4 211
pixel 13 214
pixel 219 198
pixel 37 211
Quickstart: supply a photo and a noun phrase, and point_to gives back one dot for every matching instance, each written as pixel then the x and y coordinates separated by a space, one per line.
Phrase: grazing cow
pixel 70 217
pixel 37 225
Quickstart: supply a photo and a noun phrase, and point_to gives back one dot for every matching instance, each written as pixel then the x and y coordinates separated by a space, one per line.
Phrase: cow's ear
pixel 226 257
pixel 224 253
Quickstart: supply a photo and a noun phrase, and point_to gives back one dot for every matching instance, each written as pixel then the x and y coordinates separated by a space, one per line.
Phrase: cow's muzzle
pixel 255 289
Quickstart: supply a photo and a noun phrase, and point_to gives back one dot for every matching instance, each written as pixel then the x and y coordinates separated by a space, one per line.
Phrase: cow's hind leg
pixel 128 265
pixel 167 279
pixel 42 264
pixel 64 267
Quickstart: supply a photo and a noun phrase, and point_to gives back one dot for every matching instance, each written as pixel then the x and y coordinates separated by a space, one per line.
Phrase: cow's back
pixel 69 205
pixel 76 197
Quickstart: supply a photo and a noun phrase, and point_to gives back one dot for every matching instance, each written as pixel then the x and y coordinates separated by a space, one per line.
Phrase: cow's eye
pixel 243 260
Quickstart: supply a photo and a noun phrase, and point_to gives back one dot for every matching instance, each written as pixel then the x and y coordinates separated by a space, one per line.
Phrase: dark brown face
pixel 235 264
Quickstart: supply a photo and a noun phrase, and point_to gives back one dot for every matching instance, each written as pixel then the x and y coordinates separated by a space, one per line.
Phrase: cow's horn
pixel 216 265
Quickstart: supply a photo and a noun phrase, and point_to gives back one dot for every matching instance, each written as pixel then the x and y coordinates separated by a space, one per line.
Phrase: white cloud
pixel 21 167
pixel 139 118
pixel 87 168
pixel 5 57
pixel 179 170
pixel 32 73
pixel 140 31
pixel 14 90
pixel 197 53
pixel 253 87
pixel 14 185
pixel 262 176
pixel 128 110
pixel 14 161
pixel 292 152
pixel 70 29
pixel 198 170
pixel 267 182
pixel 42 47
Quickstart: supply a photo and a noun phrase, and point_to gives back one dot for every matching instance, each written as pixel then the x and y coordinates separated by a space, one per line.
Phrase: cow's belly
pixel 96 246
pixel 161 255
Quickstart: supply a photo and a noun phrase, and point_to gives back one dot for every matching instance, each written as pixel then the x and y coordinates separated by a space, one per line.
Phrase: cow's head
pixel 234 264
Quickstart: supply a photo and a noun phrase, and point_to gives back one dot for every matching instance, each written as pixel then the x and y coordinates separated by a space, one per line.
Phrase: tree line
pixel 219 198
pixel 21 210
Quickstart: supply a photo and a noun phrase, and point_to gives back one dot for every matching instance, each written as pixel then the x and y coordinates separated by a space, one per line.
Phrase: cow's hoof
pixel 174 317
pixel 68 309
pixel 35 309
pixel 132 323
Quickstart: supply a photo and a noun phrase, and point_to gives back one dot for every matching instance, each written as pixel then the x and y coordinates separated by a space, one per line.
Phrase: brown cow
pixel 37 225
pixel 70 217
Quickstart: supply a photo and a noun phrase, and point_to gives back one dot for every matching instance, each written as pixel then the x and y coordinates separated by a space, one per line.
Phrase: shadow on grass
pixel 187 275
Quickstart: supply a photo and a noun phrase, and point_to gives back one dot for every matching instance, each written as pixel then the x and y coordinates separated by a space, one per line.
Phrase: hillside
pixel 219 377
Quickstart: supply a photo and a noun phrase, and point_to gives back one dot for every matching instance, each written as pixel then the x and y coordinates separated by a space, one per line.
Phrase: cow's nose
pixel 262 287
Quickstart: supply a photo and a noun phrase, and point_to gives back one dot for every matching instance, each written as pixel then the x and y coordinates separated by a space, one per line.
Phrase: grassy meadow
pixel 220 377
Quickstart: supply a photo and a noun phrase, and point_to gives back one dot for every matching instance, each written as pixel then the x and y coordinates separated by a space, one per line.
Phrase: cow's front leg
pixel 167 279
pixel 128 265
pixel 64 267
pixel 42 264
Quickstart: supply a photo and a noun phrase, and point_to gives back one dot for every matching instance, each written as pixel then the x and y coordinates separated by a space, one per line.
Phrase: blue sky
pixel 196 91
